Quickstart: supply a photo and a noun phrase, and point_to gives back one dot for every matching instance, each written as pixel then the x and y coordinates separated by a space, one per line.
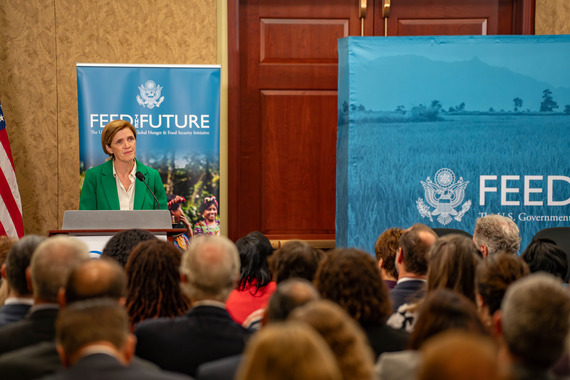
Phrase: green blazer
pixel 99 190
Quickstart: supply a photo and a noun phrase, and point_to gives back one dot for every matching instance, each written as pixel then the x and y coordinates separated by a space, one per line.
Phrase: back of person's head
pixel 295 259
pixel 535 316
pixel 386 247
pixel 122 243
pixel 289 295
pixel 51 264
pixel 153 287
pixel 495 274
pixel 90 321
pixel 210 268
pixel 344 336
pixel 443 310
pixel 351 278
pixel 415 244
pixel 18 259
pixel 254 249
pixel 461 355
pixel 95 279
pixel 453 262
pixel 498 234
pixel 543 255
pixel 285 351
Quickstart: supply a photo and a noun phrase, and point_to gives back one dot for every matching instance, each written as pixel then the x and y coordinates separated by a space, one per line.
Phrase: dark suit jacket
pixel 38 326
pixel 181 344
pixel 42 359
pixel 13 313
pixel 102 366
pixel 383 338
pixel 221 369
pixel 407 292
pixel 99 190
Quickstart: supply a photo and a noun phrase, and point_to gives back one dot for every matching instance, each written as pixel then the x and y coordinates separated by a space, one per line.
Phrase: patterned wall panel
pixel 29 99
pixel 40 47
pixel 551 17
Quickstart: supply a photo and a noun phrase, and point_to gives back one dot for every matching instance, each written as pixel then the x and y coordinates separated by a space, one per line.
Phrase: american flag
pixel 10 202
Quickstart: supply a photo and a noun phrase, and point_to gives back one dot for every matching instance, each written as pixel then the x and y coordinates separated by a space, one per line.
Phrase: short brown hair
pixel 386 247
pixel 111 129
pixel 415 249
pixel 295 259
pixel 90 321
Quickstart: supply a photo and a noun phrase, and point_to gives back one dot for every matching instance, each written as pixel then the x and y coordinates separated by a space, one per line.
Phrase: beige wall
pixel 40 43
pixel 552 17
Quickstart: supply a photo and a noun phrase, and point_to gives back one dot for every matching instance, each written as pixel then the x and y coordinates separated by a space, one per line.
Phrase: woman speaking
pixel 114 184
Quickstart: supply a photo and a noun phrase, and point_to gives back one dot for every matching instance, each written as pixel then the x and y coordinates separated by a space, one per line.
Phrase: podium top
pixel 116 219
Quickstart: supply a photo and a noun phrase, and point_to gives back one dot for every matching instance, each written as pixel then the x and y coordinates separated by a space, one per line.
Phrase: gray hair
pixel 211 265
pixel 498 233
pixel 52 262
pixel 536 319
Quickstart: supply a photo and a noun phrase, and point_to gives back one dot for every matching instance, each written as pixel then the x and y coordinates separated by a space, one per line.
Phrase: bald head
pixel 414 246
pixel 96 279
pixel 51 264
pixel 289 295
pixel 210 268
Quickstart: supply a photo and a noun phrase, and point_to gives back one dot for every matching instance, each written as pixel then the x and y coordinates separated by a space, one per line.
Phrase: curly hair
pixel 153 282
pixel 386 247
pixel 498 233
pixel 295 259
pixel 344 336
pixel 254 250
pixel 350 277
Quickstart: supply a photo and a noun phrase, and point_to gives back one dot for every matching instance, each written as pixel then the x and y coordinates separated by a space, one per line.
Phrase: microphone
pixel 140 177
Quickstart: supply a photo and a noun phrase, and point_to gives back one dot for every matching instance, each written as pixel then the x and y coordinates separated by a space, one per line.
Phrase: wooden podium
pixel 96 227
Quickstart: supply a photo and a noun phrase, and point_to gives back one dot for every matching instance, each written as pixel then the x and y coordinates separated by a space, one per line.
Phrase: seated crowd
pixel 426 307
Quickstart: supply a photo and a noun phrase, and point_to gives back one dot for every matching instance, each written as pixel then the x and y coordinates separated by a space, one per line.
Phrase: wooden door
pixel 283 101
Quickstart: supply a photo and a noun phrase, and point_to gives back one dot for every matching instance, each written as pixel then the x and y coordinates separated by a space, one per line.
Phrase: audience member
pixel 385 250
pixel 19 295
pixel 289 295
pixel 93 342
pixel 452 264
pixel 494 275
pixel 442 310
pixel 295 259
pixel 286 351
pixel 209 272
pixel 543 255
pixel 50 265
pixel 153 282
pixel 496 234
pixel 412 265
pixel 255 285
pixel 459 355
pixel 89 279
pixel 345 338
pixel 534 324
pixel 350 278
pixel 122 243
pixel 5 243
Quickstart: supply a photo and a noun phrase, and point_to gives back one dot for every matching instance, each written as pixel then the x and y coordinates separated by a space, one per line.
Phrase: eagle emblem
pixel 150 95
pixel 444 194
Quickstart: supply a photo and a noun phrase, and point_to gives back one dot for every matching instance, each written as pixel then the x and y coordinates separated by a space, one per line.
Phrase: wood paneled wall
pixel 40 43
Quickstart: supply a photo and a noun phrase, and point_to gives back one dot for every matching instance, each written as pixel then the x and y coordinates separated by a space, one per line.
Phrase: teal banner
pixel 443 130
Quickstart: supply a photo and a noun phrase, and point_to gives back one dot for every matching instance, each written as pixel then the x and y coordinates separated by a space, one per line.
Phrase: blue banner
pixel 443 130
pixel 176 112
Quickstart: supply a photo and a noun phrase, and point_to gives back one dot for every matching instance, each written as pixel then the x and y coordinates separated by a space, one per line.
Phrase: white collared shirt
pixel 126 196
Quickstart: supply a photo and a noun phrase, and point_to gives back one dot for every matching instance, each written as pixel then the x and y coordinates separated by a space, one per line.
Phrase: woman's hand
pixel 185 221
